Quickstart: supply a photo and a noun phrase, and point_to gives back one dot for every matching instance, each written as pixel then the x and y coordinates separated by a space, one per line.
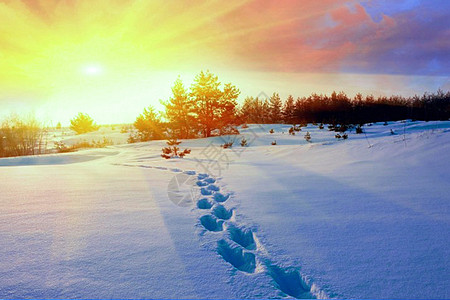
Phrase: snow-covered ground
pixel 367 217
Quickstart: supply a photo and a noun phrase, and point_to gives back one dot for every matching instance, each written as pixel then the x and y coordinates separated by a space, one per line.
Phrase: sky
pixel 112 58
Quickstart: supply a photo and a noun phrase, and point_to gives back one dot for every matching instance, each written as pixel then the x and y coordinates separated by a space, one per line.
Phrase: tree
pixel 275 108
pixel 83 123
pixel 213 107
pixel 149 125
pixel 289 110
pixel 180 112
pixel 173 151
pixel 228 103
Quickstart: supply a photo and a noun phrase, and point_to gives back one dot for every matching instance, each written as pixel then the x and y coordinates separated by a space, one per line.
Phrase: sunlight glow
pixel 93 70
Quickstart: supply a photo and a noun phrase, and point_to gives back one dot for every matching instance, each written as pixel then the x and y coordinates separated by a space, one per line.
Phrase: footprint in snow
pixel 211 223
pixel 205 192
pixel 204 203
pixel 209 180
pixel 219 197
pixel 202 176
pixel 240 259
pixel 242 236
pixel 213 187
pixel 202 183
pixel 221 212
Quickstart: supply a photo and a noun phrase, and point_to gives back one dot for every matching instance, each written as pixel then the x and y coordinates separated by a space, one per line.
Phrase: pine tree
pixel 265 112
pixel 288 110
pixel 149 125
pixel 275 108
pixel 180 113
pixel 83 123
pixel 214 108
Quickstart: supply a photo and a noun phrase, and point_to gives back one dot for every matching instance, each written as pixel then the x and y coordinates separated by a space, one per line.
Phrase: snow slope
pixel 368 217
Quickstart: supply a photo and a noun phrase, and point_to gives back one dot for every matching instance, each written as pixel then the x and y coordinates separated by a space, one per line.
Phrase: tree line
pixel 209 108
pixel 206 108
pixel 338 108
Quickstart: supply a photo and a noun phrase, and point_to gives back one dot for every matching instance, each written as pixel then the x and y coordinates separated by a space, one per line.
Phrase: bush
pixel 173 151
pixel 61 147
pixel 307 136
pixel 244 142
pixel 83 123
pixel 21 137
pixel 274 143
pixel 359 129
pixel 227 145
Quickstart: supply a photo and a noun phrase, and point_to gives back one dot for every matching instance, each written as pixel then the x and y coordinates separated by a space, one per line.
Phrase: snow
pixel 368 217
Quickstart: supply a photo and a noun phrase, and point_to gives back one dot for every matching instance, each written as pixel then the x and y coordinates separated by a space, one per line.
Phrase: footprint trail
pixel 238 245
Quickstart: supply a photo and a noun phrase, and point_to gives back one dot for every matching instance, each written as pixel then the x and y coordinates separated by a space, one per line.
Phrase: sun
pixel 92 70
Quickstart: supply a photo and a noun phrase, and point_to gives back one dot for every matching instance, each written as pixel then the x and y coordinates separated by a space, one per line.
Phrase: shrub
pixel 244 142
pixel 227 145
pixel 307 136
pixel 173 151
pixel 274 143
pixel 124 129
pixel 83 123
pixel 271 131
pixel 61 147
pixel 292 131
pixel 345 136
pixel 21 137
pixel 228 130
pixel 359 129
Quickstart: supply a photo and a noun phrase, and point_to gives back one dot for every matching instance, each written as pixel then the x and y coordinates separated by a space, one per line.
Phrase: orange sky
pixel 113 58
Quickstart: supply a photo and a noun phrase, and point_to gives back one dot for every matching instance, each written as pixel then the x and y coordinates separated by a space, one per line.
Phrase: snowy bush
pixel 173 151
pixel 307 136
pixel 227 145
pixel 244 142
